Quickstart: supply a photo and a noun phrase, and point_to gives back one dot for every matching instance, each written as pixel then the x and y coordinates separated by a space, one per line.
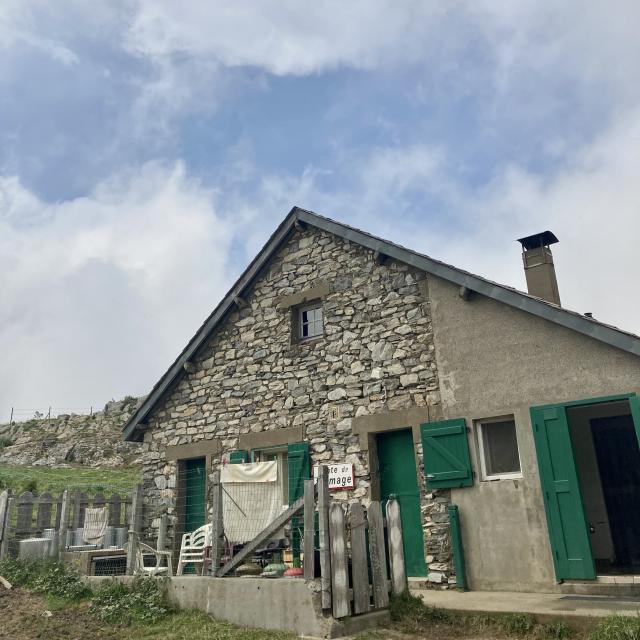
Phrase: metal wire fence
pixel 89 531
pixel 248 508
pixel 252 496
pixel 22 415
pixel 88 480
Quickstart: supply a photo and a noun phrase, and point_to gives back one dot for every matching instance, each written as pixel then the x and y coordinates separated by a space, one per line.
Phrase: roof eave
pixel 175 370
pixel 517 299
pixel 506 295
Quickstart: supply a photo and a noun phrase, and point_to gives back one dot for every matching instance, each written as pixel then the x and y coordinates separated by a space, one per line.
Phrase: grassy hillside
pixel 56 480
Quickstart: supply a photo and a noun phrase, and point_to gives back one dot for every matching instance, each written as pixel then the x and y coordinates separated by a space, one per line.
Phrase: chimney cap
pixel 543 239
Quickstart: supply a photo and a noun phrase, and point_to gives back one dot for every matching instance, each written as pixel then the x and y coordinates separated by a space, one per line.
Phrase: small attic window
pixel 310 323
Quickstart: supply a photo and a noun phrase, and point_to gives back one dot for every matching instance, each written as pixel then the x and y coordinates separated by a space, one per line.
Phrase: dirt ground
pixel 25 615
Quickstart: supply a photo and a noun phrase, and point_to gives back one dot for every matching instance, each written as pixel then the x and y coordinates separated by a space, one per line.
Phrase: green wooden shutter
pixel 566 520
pixel 195 486
pixel 446 454
pixel 299 466
pixel 239 457
pixel 299 463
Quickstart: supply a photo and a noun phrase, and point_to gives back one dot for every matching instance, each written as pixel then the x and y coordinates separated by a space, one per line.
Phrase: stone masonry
pixel 376 355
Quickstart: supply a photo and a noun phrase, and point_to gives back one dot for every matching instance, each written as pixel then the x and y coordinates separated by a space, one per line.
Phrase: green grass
pixel 141 602
pixel 51 579
pixel 617 628
pixel 410 615
pixel 89 480
pixel 195 625
pixel 137 611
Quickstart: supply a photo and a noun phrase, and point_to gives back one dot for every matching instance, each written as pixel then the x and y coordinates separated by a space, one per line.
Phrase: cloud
pixel 526 45
pixel 592 204
pixel 281 37
pixel 16 19
pixel 100 293
pixel 464 126
pixel 418 197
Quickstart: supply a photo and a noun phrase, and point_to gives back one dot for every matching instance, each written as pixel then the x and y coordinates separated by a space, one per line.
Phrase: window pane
pixel 500 447
pixel 311 322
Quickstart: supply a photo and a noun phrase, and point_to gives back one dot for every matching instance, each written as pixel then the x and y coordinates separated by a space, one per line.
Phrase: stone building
pixel 439 386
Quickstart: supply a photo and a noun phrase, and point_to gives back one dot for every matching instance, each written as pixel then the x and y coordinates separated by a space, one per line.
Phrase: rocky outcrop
pixel 71 440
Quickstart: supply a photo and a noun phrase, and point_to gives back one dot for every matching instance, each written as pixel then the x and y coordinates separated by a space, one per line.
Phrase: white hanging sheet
pixel 95 525
pixel 251 499
pixel 250 472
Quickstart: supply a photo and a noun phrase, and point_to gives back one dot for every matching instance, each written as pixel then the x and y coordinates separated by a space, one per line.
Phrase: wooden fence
pixel 359 564
pixel 27 515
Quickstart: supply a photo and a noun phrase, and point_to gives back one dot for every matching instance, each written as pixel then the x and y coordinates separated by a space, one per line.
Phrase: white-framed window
pixel 498 448
pixel 310 321
pixel 280 455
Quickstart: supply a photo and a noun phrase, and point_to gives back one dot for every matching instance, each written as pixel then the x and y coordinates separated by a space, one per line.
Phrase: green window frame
pixel 239 457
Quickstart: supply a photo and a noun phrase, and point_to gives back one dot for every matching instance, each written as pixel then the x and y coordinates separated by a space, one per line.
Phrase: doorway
pixel 589 463
pixel 607 458
pixel 398 478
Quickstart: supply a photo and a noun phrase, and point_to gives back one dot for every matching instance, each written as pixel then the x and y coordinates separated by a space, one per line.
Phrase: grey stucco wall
pixel 494 360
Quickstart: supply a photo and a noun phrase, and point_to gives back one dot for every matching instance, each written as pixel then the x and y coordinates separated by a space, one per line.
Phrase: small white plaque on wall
pixel 340 476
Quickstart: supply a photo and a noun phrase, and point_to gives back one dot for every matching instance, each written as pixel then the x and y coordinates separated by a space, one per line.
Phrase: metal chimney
pixel 538 266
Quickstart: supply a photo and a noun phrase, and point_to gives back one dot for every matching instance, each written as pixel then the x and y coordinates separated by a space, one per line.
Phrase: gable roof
pixel 536 306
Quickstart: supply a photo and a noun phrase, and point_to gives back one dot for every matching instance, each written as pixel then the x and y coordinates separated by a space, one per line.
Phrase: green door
pixel 566 520
pixel 398 477
pixel 195 484
pixel 298 470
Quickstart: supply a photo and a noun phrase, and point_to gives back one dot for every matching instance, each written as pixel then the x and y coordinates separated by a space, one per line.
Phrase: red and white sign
pixel 340 476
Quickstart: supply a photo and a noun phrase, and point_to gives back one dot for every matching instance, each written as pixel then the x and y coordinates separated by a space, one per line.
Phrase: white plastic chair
pixel 193 548
pixel 138 562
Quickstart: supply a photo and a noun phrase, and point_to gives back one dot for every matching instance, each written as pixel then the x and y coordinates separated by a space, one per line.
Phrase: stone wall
pixel 376 355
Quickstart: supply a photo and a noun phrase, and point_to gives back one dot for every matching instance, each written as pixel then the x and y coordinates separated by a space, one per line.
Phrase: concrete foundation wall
pixel 283 604
pixel 494 360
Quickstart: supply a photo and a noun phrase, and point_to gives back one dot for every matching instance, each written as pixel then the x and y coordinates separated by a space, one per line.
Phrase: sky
pixel 148 148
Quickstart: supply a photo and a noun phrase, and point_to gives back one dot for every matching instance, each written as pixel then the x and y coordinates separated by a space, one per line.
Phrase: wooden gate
pixel 359 565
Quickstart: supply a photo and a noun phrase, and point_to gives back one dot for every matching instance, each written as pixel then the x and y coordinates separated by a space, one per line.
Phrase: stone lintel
pixel 266 439
pixel 364 426
pixel 198 449
pixel 320 290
